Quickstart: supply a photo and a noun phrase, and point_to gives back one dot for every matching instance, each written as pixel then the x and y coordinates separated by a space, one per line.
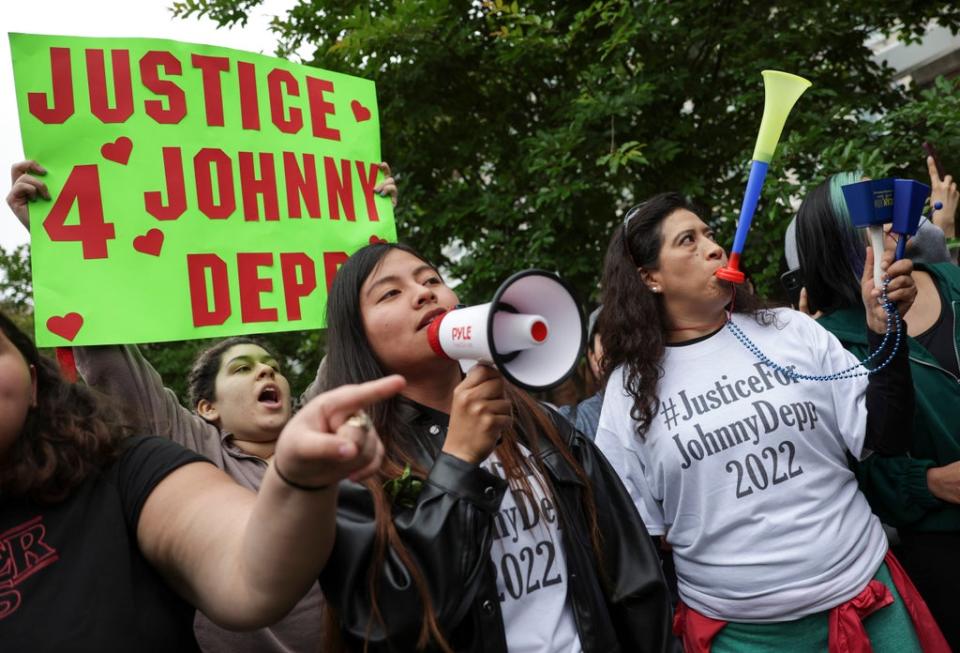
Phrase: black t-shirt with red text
pixel 72 577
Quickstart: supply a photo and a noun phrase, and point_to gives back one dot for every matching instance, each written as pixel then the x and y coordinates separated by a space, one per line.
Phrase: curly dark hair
pixel 67 436
pixel 632 324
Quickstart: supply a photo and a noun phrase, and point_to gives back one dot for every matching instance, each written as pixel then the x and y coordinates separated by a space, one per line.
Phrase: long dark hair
pixel 633 323
pixel 830 250
pixel 350 359
pixel 68 435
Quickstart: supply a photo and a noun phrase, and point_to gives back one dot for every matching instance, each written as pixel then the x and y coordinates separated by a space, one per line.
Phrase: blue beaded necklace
pixel 893 328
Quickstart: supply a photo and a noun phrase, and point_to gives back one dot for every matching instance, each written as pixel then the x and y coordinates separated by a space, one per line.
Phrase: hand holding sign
pixel 387 187
pixel 24 188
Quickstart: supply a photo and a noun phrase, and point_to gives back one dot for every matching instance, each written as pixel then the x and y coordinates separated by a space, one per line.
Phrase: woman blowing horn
pixel 741 466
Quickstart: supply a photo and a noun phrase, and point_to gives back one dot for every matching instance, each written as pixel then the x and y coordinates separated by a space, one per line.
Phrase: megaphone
pixel 531 331
pixel 781 92
pixel 876 202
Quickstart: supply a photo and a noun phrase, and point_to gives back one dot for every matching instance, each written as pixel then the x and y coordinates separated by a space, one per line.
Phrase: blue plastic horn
pixel 909 198
pixel 870 202
pixel 877 202
pixel 859 199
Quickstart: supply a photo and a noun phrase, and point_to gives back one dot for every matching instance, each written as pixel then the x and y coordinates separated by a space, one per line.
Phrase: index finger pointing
pixel 336 405
pixel 932 169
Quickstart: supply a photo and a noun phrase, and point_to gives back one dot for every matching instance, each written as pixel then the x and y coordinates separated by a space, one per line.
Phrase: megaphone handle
pixel 876 241
pixel 758 172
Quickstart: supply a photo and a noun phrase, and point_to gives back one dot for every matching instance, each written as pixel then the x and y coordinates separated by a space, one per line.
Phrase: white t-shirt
pixel 527 552
pixel 745 472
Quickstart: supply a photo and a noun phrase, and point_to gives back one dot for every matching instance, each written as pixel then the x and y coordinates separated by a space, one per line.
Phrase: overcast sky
pixel 149 18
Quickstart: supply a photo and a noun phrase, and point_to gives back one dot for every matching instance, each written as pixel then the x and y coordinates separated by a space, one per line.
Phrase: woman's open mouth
pixel 429 317
pixel 269 396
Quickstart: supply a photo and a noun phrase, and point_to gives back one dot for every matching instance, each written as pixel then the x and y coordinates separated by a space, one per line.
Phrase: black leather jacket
pixel 448 533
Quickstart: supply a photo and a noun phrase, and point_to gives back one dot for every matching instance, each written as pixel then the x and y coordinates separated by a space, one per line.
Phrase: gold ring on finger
pixel 361 420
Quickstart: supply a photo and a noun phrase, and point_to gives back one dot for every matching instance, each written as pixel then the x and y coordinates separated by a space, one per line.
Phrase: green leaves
pixel 626 154
pixel 16 288
pixel 405 489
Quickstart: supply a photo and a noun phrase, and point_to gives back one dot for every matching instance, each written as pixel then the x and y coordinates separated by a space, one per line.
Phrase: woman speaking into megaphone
pixel 731 424
pixel 492 524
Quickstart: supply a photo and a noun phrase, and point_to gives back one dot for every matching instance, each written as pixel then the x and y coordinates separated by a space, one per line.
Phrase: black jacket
pixel 448 533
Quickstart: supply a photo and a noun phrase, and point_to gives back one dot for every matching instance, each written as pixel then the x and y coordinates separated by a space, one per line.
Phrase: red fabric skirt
pixel 845 621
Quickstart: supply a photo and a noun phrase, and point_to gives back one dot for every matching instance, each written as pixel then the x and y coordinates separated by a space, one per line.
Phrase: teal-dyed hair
pixel 831 250
pixel 837 182
pixel 853 241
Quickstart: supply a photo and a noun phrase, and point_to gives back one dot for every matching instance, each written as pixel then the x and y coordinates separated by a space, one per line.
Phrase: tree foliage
pixel 16 288
pixel 523 130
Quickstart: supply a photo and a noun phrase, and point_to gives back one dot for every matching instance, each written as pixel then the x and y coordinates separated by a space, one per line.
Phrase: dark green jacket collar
pixel 850 324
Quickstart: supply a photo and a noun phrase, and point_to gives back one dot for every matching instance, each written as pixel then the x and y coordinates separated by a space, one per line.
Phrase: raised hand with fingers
pixel 901 290
pixel 25 188
pixel 943 191
pixel 387 187
pixel 331 439
pixel 804 305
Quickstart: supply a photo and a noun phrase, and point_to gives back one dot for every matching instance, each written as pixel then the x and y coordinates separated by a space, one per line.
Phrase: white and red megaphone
pixel 532 331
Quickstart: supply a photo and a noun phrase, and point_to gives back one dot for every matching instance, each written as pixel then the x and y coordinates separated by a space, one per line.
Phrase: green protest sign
pixel 197 191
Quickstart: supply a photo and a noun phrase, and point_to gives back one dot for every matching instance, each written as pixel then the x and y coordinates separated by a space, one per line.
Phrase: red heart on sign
pixel 149 243
pixel 376 240
pixel 118 151
pixel 360 112
pixel 65 326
